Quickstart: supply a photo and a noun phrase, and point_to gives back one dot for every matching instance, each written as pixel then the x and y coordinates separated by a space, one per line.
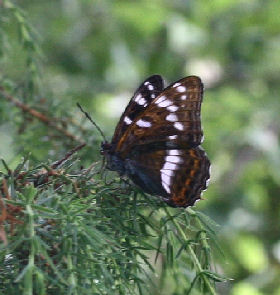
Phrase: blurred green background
pixel 97 53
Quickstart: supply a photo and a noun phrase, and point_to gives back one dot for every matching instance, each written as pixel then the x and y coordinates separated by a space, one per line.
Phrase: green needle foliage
pixel 69 232
pixel 12 14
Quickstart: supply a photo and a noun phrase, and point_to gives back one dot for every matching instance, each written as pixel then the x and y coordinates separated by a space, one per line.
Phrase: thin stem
pixel 203 235
pixel 72 278
pixel 28 278
pixel 193 255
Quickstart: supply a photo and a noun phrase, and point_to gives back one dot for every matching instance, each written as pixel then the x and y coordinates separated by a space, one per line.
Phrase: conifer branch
pixel 48 121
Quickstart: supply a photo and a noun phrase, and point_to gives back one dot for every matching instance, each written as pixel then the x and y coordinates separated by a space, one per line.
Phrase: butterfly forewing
pixel 178 176
pixel 171 120
pixel 141 99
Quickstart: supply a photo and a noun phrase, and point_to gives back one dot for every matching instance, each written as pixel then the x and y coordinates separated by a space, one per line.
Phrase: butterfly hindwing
pixel 171 120
pixel 141 99
pixel 178 176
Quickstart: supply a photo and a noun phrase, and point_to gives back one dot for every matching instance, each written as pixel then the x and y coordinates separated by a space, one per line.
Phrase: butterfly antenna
pixel 96 126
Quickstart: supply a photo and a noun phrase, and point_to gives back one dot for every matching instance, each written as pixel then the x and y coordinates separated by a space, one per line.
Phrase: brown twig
pixel 45 119
pixel 68 155
pixel 5 189
pixel 9 213
pixel 42 176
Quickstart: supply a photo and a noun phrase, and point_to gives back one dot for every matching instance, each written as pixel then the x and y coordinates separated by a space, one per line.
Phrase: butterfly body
pixel 113 161
pixel 157 141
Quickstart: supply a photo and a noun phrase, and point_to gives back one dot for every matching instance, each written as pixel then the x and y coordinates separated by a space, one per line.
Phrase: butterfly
pixel 157 141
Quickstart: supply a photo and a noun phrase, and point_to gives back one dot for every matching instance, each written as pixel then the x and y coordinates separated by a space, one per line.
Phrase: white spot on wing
pixel 173 159
pixel 142 123
pixel 139 96
pixel 174 152
pixel 169 166
pixel 160 99
pixel 142 101
pixel 172 137
pixel 166 187
pixel 172 108
pixel 165 103
pixel 176 85
pixel 183 97
pixel 165 178
pixel 181 89
pixel 150 87
pixel 179 126
pixel 168 169
pixel 153 95
pixel 146 83
pixel 172 118
pixel 127 120
pixel 167 172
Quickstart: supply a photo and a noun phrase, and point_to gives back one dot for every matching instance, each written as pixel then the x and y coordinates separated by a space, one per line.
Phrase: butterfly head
pixel 105 148
pixel 113 161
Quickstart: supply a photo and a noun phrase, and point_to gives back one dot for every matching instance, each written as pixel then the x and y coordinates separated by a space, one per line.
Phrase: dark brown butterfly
pixel 156 142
